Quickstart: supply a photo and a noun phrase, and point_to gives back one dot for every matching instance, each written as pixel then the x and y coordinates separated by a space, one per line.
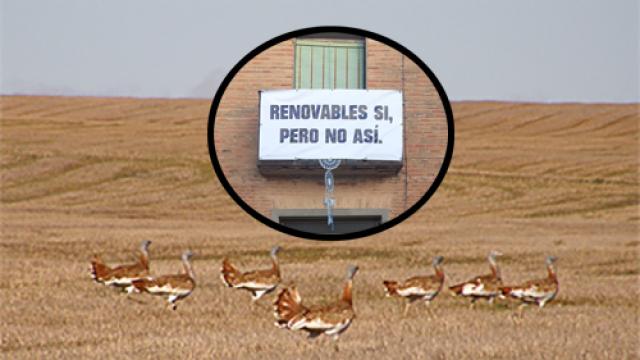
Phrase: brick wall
pixel 236 136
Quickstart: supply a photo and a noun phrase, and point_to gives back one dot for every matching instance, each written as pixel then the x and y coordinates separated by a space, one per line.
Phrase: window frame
pixel 333 41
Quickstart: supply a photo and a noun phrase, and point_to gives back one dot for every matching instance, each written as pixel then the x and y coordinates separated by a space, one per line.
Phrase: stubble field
pixel 88 175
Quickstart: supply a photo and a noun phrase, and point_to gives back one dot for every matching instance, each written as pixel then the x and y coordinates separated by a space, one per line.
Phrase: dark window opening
pixel 343 224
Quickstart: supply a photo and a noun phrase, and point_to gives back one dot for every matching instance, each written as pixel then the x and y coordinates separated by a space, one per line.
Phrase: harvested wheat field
pixel 85 175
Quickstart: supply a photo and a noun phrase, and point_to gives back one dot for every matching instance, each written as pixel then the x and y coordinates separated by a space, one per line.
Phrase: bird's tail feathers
pixel 229 273
pixel 506 290
pixel 456 289
pixel 141 285
pixel 391 287
pixel 99 270
pixel 288 305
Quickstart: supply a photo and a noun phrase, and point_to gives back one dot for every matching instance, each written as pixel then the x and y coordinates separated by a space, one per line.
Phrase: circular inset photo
pixel 331 133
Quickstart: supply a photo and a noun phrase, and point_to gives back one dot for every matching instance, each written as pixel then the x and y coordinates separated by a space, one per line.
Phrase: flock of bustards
pixel 331 319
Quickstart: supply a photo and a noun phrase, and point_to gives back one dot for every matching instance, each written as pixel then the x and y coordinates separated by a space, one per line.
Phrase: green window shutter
pixel 353 68
pixel 341 69
pixel 329 64
pixel 329 68
pixel 317 67
pixel 303 64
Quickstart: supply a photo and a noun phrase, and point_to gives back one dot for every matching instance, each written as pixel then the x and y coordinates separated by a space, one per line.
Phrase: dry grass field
pixel 86 175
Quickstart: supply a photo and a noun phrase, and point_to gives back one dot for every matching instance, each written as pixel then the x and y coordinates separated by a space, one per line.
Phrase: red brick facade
pixel 425 139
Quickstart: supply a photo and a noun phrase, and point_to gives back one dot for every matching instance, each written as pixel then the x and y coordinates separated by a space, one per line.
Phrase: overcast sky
pixel 586 51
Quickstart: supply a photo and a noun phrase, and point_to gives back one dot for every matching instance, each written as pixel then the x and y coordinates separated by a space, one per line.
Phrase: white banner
pixel 330 124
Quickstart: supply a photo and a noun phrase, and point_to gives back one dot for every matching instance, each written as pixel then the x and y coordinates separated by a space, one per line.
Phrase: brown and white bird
pixel 331 320
pixel 424 288
pixel 122 276
pixel 175 287
pixel 482 287
pixel 539 291
pixel 258 282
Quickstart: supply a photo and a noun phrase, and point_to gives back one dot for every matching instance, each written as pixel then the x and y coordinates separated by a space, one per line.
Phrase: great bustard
pixel 539 291
pixel 122 276
pixel 482 287
pixel 424 288
pixel 175 287
pixel 257 282
pixel 331 320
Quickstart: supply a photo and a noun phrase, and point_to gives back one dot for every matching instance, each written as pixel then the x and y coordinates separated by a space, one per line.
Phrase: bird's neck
pixel 439 272
pixel 188 269
pixel 275 267
pixel 144 259
pixel 346 291
pixel 552 273
pixel 495 270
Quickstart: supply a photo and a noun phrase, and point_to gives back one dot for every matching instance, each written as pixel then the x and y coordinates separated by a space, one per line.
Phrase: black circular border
pixel 347 236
